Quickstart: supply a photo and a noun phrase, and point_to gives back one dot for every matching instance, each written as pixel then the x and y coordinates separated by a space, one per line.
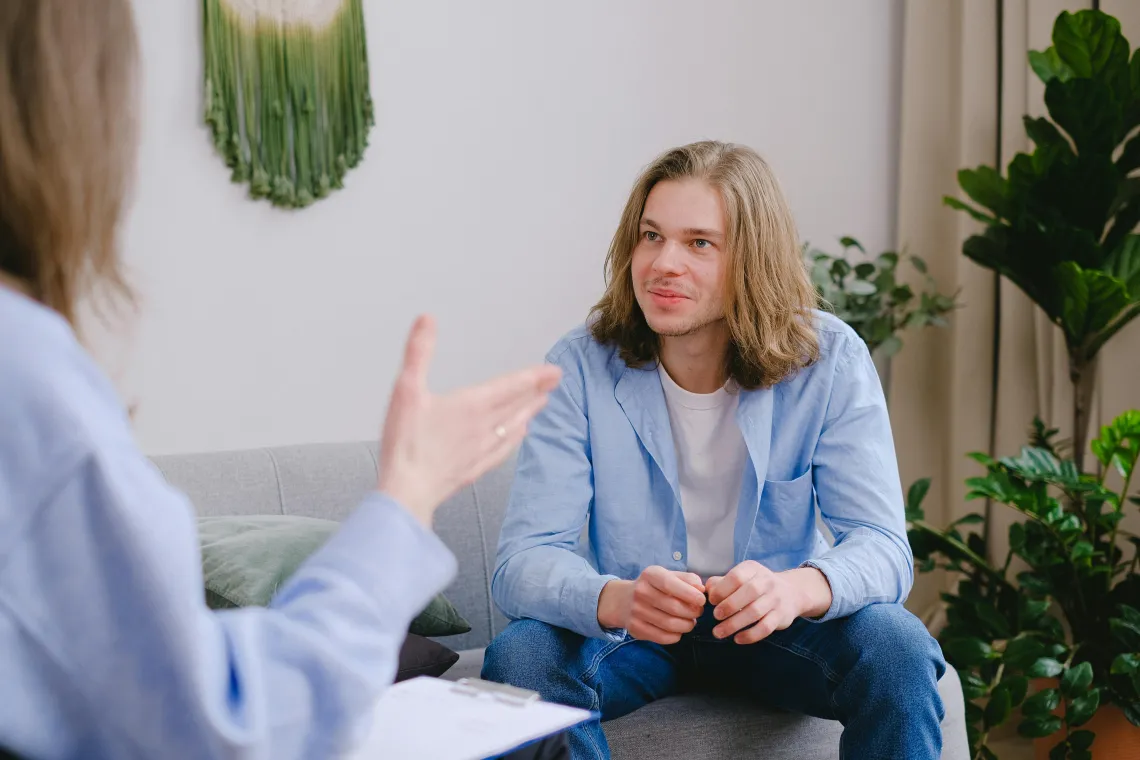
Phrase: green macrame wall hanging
pixel 287 95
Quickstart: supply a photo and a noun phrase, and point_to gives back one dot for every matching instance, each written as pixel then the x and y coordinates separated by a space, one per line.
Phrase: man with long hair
pixel 662 530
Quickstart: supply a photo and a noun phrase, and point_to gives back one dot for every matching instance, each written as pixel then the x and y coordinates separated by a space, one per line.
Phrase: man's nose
pixel 670 260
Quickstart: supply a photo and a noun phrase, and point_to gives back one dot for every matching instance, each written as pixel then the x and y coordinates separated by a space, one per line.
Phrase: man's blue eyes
pixel 699 243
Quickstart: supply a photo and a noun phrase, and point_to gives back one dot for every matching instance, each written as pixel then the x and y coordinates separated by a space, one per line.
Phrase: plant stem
pixel 1082 373
pixel 993 684
pixel 1116 525
pixel 976 559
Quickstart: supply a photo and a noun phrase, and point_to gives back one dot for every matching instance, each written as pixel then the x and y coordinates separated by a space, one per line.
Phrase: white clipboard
pixel 431 719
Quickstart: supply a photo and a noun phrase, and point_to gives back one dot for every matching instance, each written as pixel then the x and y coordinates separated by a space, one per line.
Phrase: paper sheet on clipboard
pixel 432 719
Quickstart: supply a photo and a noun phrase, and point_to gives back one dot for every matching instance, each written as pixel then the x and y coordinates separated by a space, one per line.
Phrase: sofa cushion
pixel 704 727
pixel 246 558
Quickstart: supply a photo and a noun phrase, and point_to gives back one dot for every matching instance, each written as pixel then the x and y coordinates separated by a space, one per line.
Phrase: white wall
pixel 508 134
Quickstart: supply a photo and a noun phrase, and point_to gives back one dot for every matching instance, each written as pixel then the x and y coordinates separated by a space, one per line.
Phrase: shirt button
pixel 676 556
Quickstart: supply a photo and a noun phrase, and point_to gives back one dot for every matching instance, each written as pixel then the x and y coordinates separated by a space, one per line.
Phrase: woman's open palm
pixel 432 445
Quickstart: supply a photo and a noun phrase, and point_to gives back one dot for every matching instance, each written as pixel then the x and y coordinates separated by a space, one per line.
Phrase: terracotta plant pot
pixel 1116 738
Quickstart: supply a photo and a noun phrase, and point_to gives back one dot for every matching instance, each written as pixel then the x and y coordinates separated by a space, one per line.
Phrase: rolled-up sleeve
pixel 859 493
pixel 106 588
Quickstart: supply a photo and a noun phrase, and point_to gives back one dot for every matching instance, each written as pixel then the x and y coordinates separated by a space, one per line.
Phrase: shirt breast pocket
pixel 787 508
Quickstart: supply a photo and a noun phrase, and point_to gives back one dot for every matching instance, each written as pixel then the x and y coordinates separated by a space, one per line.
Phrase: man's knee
pixel 528 654
pixel 898 644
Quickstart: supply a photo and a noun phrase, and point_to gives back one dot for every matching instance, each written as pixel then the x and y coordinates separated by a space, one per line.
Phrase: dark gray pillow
pixel 423 657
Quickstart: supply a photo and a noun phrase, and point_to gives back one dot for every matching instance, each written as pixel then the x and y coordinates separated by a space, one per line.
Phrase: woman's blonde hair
pixel 769 295
pixel 67 145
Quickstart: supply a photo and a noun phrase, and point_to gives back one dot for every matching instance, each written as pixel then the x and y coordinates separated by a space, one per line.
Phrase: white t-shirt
pixel 710 467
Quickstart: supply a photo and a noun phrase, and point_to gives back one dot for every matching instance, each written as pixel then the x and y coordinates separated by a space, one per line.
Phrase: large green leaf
pixel 1087 41
pixel 996 624
pixel 1077 679
pixel 1082 708
pixel 1132 109
pixel 1126 664
pixel 1126 632
pixel 1048 65
pixel 1123 224
pixel 1041 703
pixel 1087 111
pixel 967 652
pixel 977 215
pixel 1039 726
pixel 1072 196
pixel 973 687
pixel 1130 158
pixel 999 707
pixel 1105 335
pixel 1022 651
pixel 1090 300
pixel 1044 667
pixel 1044 133
pixel 914 496
pixel 1081 740
pixel 1118 443
pixel 1017 686
pixel 1124 264
pixel 987 188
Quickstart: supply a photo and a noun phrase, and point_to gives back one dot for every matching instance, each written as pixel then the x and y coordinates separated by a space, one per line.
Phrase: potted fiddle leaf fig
pixel 865 292
pixel 1059 223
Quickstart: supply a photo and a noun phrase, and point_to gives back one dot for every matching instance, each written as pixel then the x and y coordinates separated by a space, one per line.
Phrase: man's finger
pixel 760 631
pixel 693 580
pixel 418 352
pixel 733 580
pixel 668 623
pixel 647 632
pixel 673 606
pixel 722 588
pixel 744 618
pixel 670 584
pixel 741 598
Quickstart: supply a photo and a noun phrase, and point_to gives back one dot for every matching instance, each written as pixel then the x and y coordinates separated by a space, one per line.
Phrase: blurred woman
pixel 107 649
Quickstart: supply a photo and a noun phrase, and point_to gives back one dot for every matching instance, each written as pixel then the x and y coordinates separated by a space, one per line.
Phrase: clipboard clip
pixel 511 695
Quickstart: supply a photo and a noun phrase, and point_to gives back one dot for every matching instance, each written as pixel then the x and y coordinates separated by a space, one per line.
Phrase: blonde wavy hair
pixel 769 295
pixel 67 145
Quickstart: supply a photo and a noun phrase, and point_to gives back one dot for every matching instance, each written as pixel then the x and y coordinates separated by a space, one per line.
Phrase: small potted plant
pixel 865 293
pixel 1061 611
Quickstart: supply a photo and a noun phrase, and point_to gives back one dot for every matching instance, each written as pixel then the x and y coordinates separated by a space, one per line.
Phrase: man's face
pixel 679 262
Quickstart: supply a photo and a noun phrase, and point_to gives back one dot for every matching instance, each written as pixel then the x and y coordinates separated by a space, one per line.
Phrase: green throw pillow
pixel 246 558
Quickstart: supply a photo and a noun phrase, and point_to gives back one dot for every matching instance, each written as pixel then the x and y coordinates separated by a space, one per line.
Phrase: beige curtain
pixel 977 385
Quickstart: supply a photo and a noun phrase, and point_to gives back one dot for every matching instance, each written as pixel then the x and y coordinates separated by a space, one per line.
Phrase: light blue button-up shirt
pixel 107 649
pixel 596 496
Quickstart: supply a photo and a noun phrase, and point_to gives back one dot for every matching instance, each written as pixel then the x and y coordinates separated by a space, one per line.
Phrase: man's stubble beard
pixel 696 325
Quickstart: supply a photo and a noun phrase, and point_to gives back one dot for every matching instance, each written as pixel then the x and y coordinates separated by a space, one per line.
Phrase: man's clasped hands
pixel 750 602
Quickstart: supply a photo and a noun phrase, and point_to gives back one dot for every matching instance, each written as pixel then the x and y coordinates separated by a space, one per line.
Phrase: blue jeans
pixel 876 672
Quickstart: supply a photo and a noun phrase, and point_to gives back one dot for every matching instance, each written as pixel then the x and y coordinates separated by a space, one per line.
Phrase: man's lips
pixel 667 294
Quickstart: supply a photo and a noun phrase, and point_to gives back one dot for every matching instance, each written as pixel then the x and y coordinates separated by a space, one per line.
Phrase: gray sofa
pixel 327 480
